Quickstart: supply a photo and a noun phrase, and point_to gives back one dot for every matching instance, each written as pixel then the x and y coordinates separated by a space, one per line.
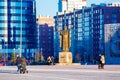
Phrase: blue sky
pixel 50 7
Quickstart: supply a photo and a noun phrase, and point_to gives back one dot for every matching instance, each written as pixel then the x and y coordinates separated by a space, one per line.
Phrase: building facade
pixel 112 42
pixel 45 20
pixel 18 27
pixel 87 37
pixel 45 35
pixel 70 5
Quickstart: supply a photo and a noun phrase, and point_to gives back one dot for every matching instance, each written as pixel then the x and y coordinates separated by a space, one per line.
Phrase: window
pixel 79 15
pixel 87 24
pixel 114 20
pixel 114 11
pixel 87 19
pixel 79 29
pixel 86 28
pixel 86 33
pixel 79 34
pixel 79 38
pixel 100 31
pixel 114 16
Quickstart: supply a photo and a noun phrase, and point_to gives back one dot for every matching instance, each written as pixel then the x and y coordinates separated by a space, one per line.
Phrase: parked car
pixel 2 63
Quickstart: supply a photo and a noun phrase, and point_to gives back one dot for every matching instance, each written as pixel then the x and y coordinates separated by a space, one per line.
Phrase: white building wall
pixel 69 5
pixel 116 4
pixel 64 6
pixel 77 4
pixel 112 43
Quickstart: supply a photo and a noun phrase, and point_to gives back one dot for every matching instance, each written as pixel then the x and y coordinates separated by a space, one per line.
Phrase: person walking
pixel 23 64
pixel 18 62
pixel 102 61
pixel 49 60
pixel 52 60
pixel 99 61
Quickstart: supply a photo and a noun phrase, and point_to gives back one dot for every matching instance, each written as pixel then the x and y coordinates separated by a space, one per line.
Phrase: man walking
pixel 18 62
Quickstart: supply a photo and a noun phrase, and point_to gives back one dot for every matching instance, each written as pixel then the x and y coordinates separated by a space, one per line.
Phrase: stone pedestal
pixel 65 58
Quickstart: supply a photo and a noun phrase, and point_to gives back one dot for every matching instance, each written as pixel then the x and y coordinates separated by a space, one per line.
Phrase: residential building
pixel 45 35
pixel 45 20
pixel 87 36
pixel 70 5
pixel 18 27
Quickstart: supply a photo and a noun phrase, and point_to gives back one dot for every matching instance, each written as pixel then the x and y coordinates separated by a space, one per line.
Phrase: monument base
pixel 65 58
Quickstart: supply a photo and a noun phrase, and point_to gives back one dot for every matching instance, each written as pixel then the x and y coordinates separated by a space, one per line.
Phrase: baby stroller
pixel 23 69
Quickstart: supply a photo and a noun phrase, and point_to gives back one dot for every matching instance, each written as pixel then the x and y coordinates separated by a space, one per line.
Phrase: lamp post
pixel 14 55
pixel 41 54
pixel 3 47
pixel 21 32
pixel 14 50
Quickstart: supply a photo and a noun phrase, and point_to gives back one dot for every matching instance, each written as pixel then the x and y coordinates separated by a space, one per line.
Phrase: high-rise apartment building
pixel 45 35
pixel 88 35
pixel 17 26
pixel 45 20
pixel 70 5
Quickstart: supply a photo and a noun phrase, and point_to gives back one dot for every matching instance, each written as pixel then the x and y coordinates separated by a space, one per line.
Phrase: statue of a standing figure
pixel 65 39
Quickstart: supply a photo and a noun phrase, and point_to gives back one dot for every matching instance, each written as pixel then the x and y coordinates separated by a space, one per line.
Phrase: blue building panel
pixel 46 40
pixel 14 15
pixel 87 37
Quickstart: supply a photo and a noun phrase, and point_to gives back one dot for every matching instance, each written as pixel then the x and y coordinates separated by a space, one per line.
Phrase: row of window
pixel 24 4
pixel 14 18
pixel 30 21
pixel 15 11
pixel 10 22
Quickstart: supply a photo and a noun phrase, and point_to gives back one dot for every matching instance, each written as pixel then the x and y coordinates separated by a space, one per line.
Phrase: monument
pixel 65 57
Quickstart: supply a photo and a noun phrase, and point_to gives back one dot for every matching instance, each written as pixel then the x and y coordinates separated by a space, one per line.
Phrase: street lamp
pixel 21 32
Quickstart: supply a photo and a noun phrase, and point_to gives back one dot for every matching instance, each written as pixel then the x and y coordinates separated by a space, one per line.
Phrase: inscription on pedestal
pixel 65 58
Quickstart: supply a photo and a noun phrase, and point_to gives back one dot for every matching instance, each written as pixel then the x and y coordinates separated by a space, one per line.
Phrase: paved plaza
pixel 55 72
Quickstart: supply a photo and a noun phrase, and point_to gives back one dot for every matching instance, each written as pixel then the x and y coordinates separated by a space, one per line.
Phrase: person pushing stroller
pixel 21 64
pixel 18 62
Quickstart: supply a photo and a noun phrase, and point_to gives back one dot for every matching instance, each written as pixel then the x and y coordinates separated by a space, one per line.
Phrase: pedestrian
pixel 99 61
pixel 49 60
pixel 103 61
pixel 23 64
pixel 52 60
pixel 18 62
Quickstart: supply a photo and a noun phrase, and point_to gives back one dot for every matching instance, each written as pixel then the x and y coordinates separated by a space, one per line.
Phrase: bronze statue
pixel 65 39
